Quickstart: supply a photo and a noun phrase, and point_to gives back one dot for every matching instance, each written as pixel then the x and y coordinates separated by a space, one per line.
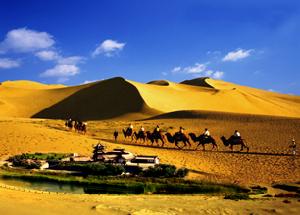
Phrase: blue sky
pixel 254 43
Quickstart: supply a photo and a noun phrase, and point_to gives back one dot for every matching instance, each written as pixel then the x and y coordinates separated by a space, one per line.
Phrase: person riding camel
pixel 130 128
pixel 142 130
pixel 206 133
pixel 156 129
pixel 237 135
pixel 181 130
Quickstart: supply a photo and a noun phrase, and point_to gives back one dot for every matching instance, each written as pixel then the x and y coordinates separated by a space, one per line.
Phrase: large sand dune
pixel 118 97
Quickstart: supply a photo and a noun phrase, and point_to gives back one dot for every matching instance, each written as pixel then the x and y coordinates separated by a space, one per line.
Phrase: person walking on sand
pixel 116 134
pixel 293 146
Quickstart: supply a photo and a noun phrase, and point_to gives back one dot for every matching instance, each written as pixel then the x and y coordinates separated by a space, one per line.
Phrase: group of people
pixel 206 134
pixel 78 125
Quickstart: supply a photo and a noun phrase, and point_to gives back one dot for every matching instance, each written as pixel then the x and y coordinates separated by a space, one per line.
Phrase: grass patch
pixel 237 196
pixel 40 156
pixel 128 185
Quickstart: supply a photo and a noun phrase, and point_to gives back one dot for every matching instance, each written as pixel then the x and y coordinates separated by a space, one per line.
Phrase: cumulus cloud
pixel 61 71
pixel 195 69
pixel 198 69
pixel 71 60
pixel 176 69
pixel 108 48
pixel 47 55
pixel 6 63
pixel 217 75
pixel 26 40
pixel 237 55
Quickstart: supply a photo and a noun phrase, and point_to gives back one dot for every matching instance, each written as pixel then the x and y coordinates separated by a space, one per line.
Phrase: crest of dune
pixel 118 97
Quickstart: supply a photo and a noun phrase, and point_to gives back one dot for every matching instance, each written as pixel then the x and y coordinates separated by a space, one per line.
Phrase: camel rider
pixel 181 130
pixel 237 134
pixel 156 129
pixel 142 130
pixel 206 133
pixel 130 128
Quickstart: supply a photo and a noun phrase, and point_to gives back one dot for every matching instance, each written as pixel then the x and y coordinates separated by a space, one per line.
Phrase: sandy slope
pixel 35 135
pixel 221 96
pixel 29 203
pixel 117 97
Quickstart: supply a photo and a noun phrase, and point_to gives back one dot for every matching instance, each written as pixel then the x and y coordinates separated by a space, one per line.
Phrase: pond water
pixel 43 186
pixel 67 188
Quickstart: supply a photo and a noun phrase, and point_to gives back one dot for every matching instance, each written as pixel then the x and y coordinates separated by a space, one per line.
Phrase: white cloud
pixel 71 60
pixel 176 69
pixel 197 68
pixel 6 63
pixel 108 48
pixel 61 71
pixel 217 75
pixel 237 55
pixel 47 55
pixel 87 81
pixel 164 73
pixel 26 40
pixel 208 72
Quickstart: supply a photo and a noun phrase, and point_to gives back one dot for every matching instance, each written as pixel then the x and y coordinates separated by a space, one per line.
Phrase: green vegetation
pixel 129 185
pixel 102 169
pixel 237 196
pixel 33 161
pixel 41 156
pixel 288 187
pixel 164 171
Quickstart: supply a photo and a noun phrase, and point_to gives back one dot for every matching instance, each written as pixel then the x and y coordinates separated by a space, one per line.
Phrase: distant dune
pixel 118 97
pixel 159 82
pixel 200 82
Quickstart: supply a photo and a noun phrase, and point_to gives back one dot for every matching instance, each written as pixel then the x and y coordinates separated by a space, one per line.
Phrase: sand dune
pixel 118 97
pixel 221 96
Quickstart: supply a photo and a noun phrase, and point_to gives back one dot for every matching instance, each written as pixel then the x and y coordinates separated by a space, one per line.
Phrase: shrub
pixel 237 196
pixel 164 171
pixel 92 168
pixel 182 172
pixel 160 170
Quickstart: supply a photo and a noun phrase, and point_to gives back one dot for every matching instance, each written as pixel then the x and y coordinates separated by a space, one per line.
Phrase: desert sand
pixel 29 122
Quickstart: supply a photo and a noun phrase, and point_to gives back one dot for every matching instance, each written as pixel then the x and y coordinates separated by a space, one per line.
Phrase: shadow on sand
pixel 193 150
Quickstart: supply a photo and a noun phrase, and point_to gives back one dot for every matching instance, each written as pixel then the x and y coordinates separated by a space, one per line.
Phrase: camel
pixel 155 136
pixel 178 137
pixel 202 140
pixel 80 127
pixel 140 135
pixel 69 124
pixel 128 133
pixel 234 141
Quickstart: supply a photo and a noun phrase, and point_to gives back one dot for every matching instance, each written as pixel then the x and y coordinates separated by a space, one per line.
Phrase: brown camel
pixel 178 137
pixel 202 140
pixel 140 135
pixel 128 133
pixel 234 141
pixel 155 136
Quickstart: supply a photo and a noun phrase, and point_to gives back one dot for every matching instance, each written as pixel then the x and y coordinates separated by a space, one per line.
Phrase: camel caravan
pixel 180 138
pixel 78 125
